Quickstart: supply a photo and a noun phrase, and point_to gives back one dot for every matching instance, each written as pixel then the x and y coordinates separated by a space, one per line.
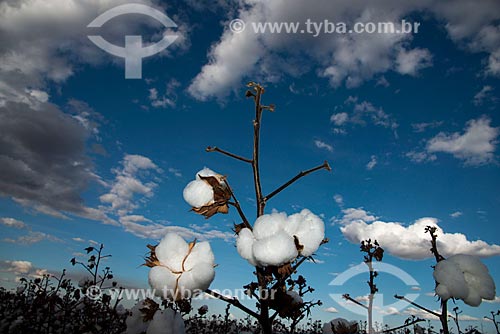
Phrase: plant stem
pixel 417 305
pixel 237 157
pixel 403 326
pixel 301 174
pixel 233 301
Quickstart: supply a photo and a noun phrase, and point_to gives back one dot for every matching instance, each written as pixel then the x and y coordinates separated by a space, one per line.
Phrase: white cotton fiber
pixel 166 322
pixel 267 225
pixel 272 240
pixel 201 252
pixel 171 251
pixel 198 193
pixel 181 268
pixel 162 281
pixel 464 277
pixel 450 276
pixel 135 322
pixel 244 245
pixel 310 231
pixel 205 172
pixel 297 299
pixel 275 250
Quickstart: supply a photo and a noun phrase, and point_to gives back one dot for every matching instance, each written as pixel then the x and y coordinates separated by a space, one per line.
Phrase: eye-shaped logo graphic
pixel 378 303
pixel 133 52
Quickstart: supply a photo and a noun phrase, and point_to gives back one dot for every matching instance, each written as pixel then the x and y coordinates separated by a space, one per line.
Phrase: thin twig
pixel 325 165
pixel 284 278
pixel 419 306
pixel 233 301
pixel 237 157
pixel 236 204
pixel 348 297
pixel 403 326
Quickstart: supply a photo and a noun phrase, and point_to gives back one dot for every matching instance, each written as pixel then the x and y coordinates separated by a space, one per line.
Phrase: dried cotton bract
pixel 277 239
pixel 178 269
pixel 464 277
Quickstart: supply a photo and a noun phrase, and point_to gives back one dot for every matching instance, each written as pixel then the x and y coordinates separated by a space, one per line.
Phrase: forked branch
pixel 232 155
pixel 300 175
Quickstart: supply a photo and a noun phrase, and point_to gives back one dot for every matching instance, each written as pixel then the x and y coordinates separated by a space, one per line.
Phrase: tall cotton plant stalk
pixel 276 244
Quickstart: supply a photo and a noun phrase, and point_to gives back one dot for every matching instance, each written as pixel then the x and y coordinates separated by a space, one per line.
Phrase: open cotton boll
pixel 171 251
pixel 135 321
pixel 244 245
pixel 201 252
pixel 270 224
pixel 451 281
pixel 339 323
pixel 309 229
pixel 275 250
pixel 198 193
pixel 297 299
pixel 166 322
pixel 198 278
pixel 163 281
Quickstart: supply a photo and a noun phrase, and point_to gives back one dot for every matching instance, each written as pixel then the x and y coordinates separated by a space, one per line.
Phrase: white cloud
pixel 476 145
pixel 352 215
pixel 339 118
pixel 412 61
pixel 32 237
pixel 134 224
pixel 128 184
pixel 168 99
pixel 323 145
pixel 421 156
pixel 330 309
pixel 339 199
pixel 482 95
pixel 411 242
pixel 78 239
pixel 421 313
pixel 421 127
pixel 11 222
pixel 371 163
pixel 456 214
pixel 18 267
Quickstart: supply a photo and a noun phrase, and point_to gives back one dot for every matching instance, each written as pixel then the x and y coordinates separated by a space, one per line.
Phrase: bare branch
pixel 403 326
pixel 419 306
pixel 325 165
pixel 233 301
pixel 237 157
pixel 348 297
pixel 236 204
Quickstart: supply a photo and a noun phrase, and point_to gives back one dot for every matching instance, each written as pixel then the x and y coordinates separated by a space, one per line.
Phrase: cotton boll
pixel 442 292
pixel 297 299
pixel 477 276
pixel 450 275
pixel 275 250
pixel 198 193
pixel 310 232
pixel 163 281
pixel 135 321
pixel 199 278
pixel 201 252
pixel 244 245
pixel 171 251
pixel 205 172
pixel 267 225
pixel 166 322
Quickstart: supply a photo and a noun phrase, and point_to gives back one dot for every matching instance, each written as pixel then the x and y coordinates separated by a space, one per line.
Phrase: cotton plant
pixel 460 276
pixel 464 277
pixel 275 244
pixel 147 317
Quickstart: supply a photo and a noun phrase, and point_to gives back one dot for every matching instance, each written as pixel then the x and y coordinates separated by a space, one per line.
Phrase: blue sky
pixel 409 124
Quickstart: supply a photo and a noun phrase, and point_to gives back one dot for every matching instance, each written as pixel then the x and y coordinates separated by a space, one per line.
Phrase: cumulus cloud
pixel 32 237
pixel 21 268
pixel 411 242
pixel 331 309
pixel 352 215
pixel 475 146
pixel 344 59
pixel 339 199
pixel 323 145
